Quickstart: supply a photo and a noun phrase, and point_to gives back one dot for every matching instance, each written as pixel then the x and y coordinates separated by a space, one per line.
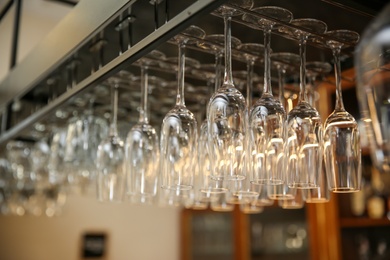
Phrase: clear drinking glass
pixel 267 116
pixel 179 131
pixel 304 126
pixel 227 115
pixel 142 147
pixel 341 137
pixel 111 176
pixel 84 133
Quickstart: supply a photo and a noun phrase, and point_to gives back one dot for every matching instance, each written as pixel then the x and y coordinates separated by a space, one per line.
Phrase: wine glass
pixel 84 133
pixel 267 115
pixel 304 127
pixel 227 114
pixel 341 137
pixel 179 131
pixel 111 175
pixel 142 146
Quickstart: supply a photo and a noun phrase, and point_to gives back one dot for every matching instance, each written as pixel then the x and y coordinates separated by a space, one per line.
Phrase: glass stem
pixel 228 78
pixel 302 70
pixel 180 85
pixel 281 76
pixel 337 69
pixel 114 111
pixel 143 113
pixel 249 83
pixel 218 70
pixel 267 62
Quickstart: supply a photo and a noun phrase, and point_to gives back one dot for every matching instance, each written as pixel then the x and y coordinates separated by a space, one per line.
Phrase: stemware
pixel 267 115
pixel 304 126
pixel 341 137
pixel 227 114
pixel 111 176
pixel 179 131
pixel 84 133
pixel 142 147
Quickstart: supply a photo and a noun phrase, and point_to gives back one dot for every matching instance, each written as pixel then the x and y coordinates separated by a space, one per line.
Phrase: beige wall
pixel 135 232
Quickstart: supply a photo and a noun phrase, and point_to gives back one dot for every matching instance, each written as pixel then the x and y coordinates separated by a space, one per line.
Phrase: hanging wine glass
pixel 304 127
pixel 209 187
pixel 84 133
pixel 227 115
pixel 111 176
pixel 267 116
pixel 341 138
pixel 284 62
pixel 142 146
pixel 179 131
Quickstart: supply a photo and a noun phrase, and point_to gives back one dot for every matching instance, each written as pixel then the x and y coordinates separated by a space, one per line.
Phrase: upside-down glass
pixel 227 115
pixel 304 126
pixel 83 135
pixel 179 133
pixel 111 175
pixel 267 116
pixel 372 62
pixel 341 137
pixel 142 147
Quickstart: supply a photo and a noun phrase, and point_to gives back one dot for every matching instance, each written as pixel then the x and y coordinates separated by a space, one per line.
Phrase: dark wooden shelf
pixel 363 222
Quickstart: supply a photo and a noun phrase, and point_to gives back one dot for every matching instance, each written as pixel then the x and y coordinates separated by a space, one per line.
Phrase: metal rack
pixel 95 23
